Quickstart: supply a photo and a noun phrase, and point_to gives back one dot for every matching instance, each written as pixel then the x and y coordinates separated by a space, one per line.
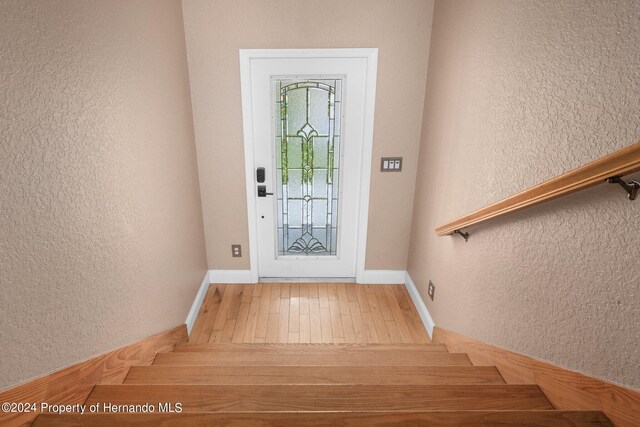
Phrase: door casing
pixel 370 56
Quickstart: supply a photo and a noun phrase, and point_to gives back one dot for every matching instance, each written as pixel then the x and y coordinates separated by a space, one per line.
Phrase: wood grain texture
pixel 342 384
pixel 387 358
pixel 567 390
pixel 231 375
pixel 243 316
pixel 416 327
pixel 361 419
pixel 620 163
pixel 73 384
pixel 307 348
pixel 331 398
pixel 203 326
pixel 333 313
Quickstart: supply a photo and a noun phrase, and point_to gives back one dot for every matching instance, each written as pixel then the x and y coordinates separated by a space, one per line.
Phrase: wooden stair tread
pixel 391 357
pixel 162 374
pixel 307 348
pixel 320 397
pixel 466 418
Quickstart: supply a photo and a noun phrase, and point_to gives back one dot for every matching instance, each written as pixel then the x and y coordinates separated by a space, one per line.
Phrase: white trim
pixel 231 276
pixel 371 55
pixel 366 52
pixel 195 307
pixel 307 280
pixel 382 277
pixel 367 153
pixel 247 129
pixel 419 303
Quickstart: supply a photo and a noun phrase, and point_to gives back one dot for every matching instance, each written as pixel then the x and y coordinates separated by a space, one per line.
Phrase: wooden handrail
pixel 620 163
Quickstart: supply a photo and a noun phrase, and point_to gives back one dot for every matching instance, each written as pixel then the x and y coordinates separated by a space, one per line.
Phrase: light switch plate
pixel 391 164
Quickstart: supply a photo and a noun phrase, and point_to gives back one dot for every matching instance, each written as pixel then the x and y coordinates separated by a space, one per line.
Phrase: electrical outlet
pixel 236 251
pixel 432 290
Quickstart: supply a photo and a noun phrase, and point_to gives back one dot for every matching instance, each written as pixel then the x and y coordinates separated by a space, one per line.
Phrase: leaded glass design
pixel 307 163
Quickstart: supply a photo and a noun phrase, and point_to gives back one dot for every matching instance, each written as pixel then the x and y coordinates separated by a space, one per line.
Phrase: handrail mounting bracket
pixel 630 187
pixel 464 235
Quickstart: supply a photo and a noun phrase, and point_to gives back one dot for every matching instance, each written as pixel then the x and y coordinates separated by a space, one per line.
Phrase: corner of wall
pixel 197 303
pixel 427 320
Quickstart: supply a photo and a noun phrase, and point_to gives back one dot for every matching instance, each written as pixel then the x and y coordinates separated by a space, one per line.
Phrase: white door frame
pixel 371 56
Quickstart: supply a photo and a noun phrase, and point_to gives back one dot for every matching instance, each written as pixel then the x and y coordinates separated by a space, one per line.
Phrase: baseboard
pixel 565 389
pixel 72 385
pixel 307 280
pixel 369 277
pixel 381 277
pixel 195 307
pixel 230 276
pixel 419 303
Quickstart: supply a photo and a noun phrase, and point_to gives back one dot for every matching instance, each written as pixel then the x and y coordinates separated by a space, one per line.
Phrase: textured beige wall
pixel 518 92
pixel 217 29
pixel 101 235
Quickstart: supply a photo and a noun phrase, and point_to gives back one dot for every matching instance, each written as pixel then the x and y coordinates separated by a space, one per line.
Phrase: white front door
pixel 308 121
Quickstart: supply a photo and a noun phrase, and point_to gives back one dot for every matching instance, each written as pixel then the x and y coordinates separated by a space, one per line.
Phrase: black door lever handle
pixel 262 191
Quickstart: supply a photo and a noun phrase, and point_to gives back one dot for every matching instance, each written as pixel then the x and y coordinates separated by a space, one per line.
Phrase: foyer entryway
pixel 308 313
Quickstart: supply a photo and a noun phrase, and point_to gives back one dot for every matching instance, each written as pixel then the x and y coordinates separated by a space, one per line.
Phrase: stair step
pixel 231 375
pixel 334 398
pixel 466 418
pixel 307 348
pixel 387 358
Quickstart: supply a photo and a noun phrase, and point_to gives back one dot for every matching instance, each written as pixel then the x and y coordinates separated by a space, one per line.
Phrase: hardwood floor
pixel 326 397
pixel 388 358
pixel 355 419
pixel 317 355
pixel 330 313
pixel 339 374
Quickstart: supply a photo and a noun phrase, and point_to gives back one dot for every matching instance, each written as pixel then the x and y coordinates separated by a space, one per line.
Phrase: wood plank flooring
pixel 388 358
pixel 230 375
pixel 307 348
pixel 318 355
pixel 330 313
pixel 327 397
pixel 315 419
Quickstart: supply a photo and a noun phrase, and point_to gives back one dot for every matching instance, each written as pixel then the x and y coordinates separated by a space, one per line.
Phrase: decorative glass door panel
pixel 307 146
pixel 304 167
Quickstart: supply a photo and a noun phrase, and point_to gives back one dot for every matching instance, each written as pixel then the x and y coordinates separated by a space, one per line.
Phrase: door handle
pixel 262 191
